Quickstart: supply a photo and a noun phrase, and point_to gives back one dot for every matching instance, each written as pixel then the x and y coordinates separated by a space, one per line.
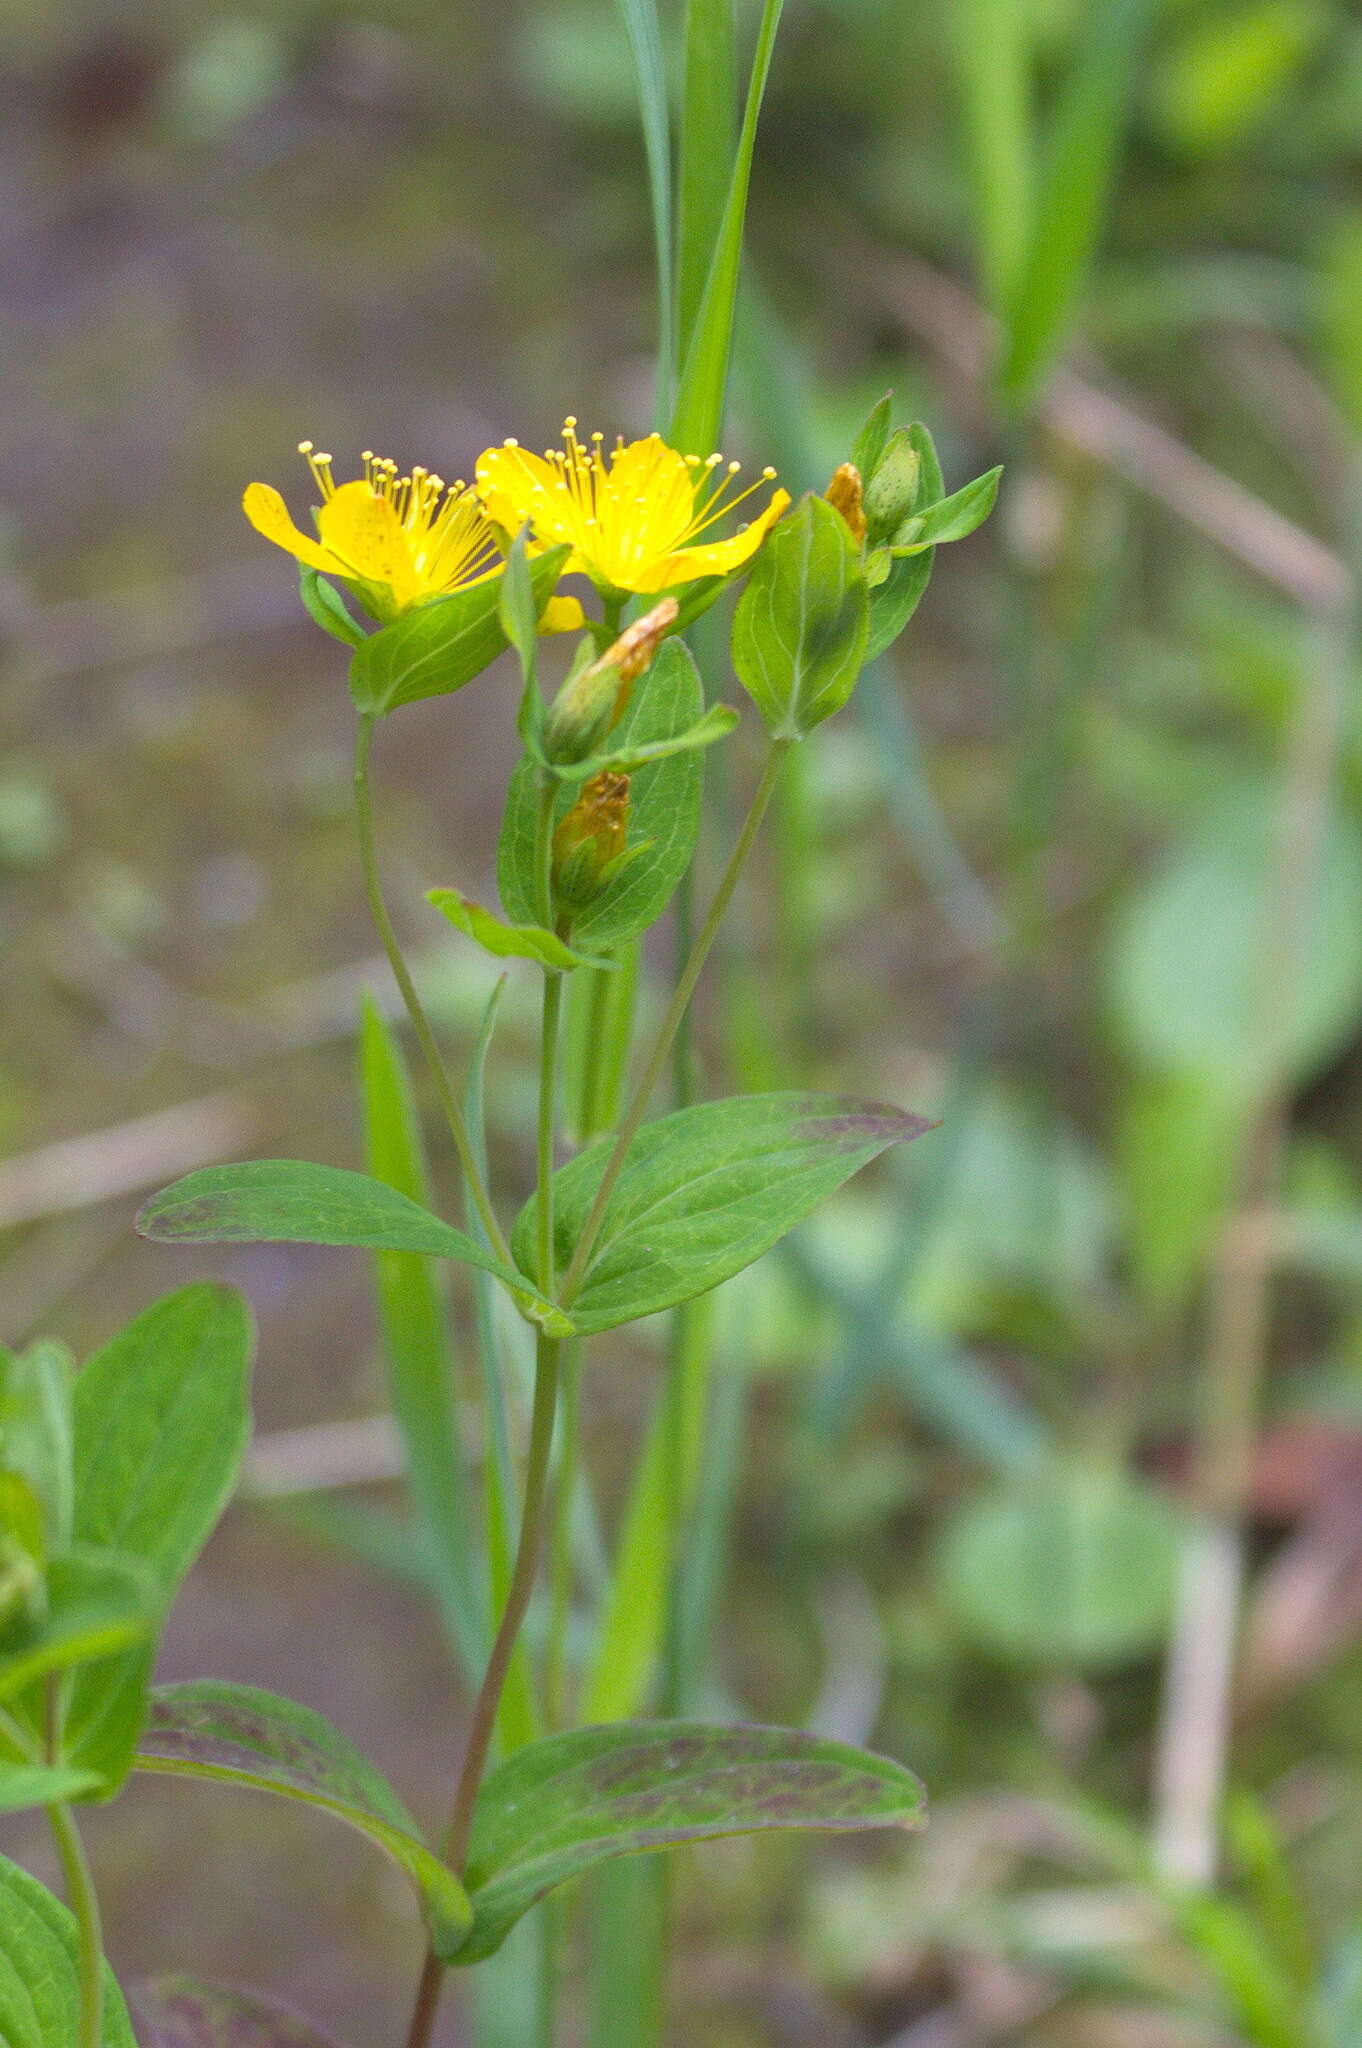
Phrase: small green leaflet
pixel 950 519
pixel 39 1980
pixel 182 2012
pixel 241 1736
pixel 706 1191
pixel 575 1800
pixel 293 1201
pixel 510 941
pixel 800 629
pixel 717 723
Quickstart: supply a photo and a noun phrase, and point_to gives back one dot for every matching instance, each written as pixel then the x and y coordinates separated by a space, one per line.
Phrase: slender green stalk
pixel 676 1010
pixel 378 910
pixel 84 1904
pixel 483 1724
pixel 548 1122
pixel 560 1590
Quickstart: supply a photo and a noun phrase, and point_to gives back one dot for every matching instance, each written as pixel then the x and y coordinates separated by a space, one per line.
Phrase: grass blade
pixel 993 58
pixel 518 1719
pixel 709 133
pixel 634 1621
pixel 645 40
pixel 1071 197
pixel 704 376
pixel 417 1349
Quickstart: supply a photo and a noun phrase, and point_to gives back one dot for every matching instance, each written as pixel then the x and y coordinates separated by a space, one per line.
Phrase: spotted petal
pixel 363 530
pixel 270 516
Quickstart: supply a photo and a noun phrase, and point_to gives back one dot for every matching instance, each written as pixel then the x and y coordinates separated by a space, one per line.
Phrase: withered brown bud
pixel 592 703
pixel 590 838
pixel 845 495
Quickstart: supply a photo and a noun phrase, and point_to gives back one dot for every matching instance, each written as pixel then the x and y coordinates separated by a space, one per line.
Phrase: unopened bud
pixel 589 839
pixel 845 495
pixel 891 493
pixel 592 702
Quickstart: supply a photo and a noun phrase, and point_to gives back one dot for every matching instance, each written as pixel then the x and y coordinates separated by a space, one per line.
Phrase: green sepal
pixel 510 941
pixel 326 607
pixel 873 438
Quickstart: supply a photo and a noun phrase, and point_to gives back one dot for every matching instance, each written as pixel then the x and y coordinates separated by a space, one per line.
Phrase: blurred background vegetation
pixel 1081 873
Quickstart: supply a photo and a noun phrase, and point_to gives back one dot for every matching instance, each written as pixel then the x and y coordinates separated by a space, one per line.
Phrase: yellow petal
pixel 562 615
pixel 516 486
pixel 717 558
pixel 269 515
pixel 364 531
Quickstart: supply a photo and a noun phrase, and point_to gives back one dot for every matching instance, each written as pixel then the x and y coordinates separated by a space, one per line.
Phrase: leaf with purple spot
pixel 706 1191
pixel 181 2012
pixel 240 1736
pixel 564 1804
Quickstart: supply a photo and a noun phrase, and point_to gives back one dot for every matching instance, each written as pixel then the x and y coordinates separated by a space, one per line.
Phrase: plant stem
pixel 667 1029
pixel 489 1696
pixel 378 910
pixel 560 1608
pixel 548 1090
pixel 84 1904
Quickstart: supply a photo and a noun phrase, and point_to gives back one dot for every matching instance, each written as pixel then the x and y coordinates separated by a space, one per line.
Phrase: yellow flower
pixel 633 517
pixel 397 540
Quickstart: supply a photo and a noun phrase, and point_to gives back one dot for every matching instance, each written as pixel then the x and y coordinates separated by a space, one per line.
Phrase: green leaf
pixel 893 602
pixel 705 1191
pixel 162 1420
pixel 1185 963
pixel 950 518
pixel 238 1735
pixel 27 1785
pixel 327 609
pixel 1070 1567
pixel 438 647
pixel 96 1605
pixel 292 1201
pixel 665 800
pixel 698 418
pixel 576 1800
pixel 509 941
pixel 417 1348
pixel 1071 196
pixel 39 1971
pixel 35 1430
pixel 182 2012
pixel 800 630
